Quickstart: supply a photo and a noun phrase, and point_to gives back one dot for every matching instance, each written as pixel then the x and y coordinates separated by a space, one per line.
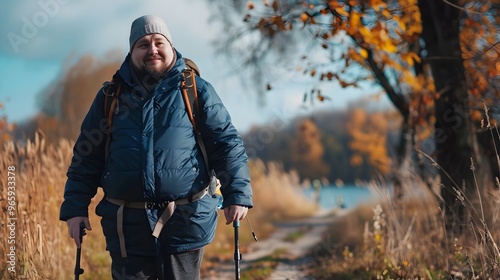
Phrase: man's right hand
pixel 74 228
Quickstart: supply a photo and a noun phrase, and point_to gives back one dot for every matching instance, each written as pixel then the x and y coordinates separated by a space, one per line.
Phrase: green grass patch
pixel 296 235
pixel 264 267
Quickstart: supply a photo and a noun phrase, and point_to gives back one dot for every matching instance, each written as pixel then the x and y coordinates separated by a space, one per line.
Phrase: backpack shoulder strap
pixel 111 93
pixel 190 97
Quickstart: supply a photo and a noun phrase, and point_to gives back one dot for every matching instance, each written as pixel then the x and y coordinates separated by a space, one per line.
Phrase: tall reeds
pixel 42 246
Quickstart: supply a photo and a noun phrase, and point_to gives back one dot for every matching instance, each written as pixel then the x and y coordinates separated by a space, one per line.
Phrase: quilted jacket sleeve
pixel 87 163
pixel 225 148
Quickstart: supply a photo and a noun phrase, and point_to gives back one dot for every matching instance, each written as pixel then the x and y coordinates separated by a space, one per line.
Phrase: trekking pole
pixel 237 255
pixel 78 269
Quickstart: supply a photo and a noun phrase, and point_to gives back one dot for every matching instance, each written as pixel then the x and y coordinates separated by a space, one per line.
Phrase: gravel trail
pixel 296 251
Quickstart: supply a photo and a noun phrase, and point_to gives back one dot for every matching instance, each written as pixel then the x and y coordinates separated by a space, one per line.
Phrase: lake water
pixel 349 196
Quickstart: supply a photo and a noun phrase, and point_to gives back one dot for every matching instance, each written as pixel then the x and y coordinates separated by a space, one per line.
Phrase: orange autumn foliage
pixel 369 139
pixel 307 151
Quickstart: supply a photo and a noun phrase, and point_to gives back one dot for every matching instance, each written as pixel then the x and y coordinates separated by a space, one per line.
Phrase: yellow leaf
pixel 333 4
pixel 390 47
pixel 409 60
pixel 378 4
pixel 304 17
pixel 367 33
pixel 355 19
pixel 399 21
pixel 386 14
pixel 415 57
pixel 342 12
pixel 363 53
pixel 354 23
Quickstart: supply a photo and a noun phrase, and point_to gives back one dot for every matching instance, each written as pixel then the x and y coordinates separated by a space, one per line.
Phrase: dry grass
pixel 43 247
pixel 407 238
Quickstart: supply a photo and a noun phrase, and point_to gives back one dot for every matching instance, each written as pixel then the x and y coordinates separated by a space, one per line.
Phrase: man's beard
pixel 151 69
pixel 156 74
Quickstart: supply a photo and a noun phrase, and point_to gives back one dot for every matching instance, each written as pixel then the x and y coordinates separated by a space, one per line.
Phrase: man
pixel 153 165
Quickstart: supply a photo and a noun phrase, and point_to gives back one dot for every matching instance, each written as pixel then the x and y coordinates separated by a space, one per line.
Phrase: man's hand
pixel 74 228
pixel 235 213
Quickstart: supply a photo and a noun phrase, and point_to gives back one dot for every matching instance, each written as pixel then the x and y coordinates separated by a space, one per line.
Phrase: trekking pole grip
pixel 78 269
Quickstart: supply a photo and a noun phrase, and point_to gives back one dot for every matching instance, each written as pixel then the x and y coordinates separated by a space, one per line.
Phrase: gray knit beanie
pixel 146 25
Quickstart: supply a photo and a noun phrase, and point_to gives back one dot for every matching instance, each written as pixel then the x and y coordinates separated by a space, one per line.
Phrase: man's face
pixel 152 54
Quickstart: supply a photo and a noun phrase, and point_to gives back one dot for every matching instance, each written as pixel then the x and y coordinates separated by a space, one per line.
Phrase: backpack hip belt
pixel 165 216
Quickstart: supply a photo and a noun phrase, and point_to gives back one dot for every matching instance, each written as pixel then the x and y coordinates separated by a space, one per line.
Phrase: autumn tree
pixel 268 143
pixel 307 151
pixel 417 51
pixel 66 101
pixel 368 133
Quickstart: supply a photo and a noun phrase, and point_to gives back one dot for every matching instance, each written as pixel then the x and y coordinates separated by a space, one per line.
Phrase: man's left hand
pixel 235 213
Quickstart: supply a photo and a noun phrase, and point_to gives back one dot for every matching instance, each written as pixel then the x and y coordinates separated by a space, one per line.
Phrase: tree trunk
pixel 453 132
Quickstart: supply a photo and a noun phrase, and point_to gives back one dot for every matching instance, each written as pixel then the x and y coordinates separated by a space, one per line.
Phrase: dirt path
pixel 292 239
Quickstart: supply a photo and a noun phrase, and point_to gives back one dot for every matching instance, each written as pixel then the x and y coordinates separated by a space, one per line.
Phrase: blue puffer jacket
pixel 153 156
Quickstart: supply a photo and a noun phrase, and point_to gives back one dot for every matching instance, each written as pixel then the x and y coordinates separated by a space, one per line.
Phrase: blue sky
pixel 39 37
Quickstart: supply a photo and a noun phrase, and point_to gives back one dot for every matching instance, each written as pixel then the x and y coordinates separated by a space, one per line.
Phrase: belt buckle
pixel 157 205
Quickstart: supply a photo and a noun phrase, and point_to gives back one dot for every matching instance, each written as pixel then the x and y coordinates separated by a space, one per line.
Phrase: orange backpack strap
pixel 111 93
pixel 190 96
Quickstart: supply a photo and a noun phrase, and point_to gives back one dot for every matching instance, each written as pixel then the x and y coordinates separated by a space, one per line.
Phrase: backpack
pixel 189 95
